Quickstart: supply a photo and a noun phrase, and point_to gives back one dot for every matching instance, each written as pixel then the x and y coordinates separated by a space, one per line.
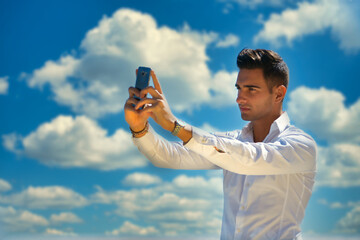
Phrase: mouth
pixel 244 109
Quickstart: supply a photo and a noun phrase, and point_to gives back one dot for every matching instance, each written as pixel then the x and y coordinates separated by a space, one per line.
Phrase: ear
pixel 280 92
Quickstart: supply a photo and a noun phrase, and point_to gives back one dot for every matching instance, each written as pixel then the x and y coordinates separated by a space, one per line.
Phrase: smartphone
pixel 142 78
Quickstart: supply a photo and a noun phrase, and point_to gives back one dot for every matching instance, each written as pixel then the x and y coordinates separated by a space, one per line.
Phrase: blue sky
pixel 67 165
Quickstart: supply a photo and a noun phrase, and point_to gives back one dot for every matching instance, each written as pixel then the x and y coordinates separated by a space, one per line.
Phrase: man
pixel 269 166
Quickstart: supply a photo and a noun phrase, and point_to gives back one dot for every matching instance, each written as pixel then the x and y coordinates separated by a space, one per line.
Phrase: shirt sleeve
pixel 293 152
pixel 166 154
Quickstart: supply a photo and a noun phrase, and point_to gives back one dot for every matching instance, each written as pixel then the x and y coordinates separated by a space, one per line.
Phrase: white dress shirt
pixel 267 185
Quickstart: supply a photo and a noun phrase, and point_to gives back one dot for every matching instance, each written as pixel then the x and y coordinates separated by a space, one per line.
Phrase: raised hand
pixel 135 118
pixel 157 107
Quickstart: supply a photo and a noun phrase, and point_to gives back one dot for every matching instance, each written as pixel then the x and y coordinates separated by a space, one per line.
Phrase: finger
pixel 137 71
pixel 131 103
pixel 152 91
pixel 148 111
pixel 133 92
pixel 156 82
pixel 144 102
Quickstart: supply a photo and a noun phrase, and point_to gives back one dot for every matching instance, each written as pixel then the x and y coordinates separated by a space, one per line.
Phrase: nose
pixel 240 98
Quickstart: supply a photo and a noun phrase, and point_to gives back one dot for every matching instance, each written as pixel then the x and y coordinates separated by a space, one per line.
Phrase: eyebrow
pixel 246 86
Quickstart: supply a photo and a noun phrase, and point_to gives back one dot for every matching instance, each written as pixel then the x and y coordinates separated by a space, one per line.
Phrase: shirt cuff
pixel 147 141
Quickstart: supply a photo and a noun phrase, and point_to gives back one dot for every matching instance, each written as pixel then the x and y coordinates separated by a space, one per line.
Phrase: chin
pixel 245 117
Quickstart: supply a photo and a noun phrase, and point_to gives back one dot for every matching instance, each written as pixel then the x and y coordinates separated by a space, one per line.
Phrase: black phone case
pixel 142 79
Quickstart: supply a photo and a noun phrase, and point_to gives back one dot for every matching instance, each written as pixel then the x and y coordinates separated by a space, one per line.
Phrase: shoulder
pixel 297 135
pixel 295 131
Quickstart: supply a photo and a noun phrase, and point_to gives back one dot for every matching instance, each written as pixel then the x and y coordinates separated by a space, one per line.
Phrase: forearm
pixel 166 154
pixel 185 133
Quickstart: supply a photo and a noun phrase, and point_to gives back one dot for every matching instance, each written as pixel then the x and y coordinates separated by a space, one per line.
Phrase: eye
pixel 251 89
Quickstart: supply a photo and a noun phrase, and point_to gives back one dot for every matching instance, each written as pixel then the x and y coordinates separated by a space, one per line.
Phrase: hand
pixel 135 118
pixel 157 106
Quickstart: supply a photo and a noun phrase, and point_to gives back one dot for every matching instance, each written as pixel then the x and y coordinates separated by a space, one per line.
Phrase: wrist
pixel 139 127
pixel 140 133
pixel 170 125
pixel 178 125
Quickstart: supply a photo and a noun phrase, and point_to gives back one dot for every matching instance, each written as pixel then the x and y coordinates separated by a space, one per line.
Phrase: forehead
pixel 251 76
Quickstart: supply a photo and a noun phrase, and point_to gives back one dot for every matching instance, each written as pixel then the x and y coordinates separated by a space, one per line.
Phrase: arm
pixel 166 154
pixel 294 152
pixel 160 152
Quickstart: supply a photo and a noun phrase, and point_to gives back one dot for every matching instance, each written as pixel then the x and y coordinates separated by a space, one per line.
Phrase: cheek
pixel 262 101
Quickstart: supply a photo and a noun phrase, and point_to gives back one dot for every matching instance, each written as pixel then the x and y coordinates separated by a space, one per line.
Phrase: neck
pixel 262 127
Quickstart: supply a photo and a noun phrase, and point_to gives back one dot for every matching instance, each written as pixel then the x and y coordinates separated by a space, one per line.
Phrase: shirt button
pixel 242 207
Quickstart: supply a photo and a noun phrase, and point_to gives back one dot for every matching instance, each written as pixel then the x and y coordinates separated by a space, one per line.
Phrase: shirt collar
pixel 282 122
pixel 279 124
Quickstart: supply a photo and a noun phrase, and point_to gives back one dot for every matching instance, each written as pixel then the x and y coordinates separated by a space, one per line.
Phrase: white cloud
pixel 209 128
pixel 10 142
pixel 56 232
pixel 141 179
pixel 17 220
pixel 194 203
pixel 338 165
pixel 65 217
pixel 333 121
pixel 350 223
pixel 312 17
pixel 339 205
pixel 4 85
pixel 45 197
pixel 222 89
pixel 96 82
pixel 77 142
pixel 129 228
pixel 324 114
pixel 229 41
pixel 4 185
pixel 255 3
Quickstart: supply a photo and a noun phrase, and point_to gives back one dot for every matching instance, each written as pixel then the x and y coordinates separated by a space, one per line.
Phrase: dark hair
pixel 275 70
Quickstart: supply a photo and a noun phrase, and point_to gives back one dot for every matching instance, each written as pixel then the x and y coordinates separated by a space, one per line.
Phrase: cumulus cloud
pixel 350 223
pixel 129 228
pixel 65 217
pixel 57 232
pixel 51 197
pixel 141 179
pixel 340 17
pixel 4 185
pixel 339 205
pixel 339 165
pixel 18 220
pixel 335 124
pixel 4 85
pixel 96 82
pixel 333 121
pixel 76 142
pixel 184 205
pixel 255 3
pixel 209 128
pixel 228 41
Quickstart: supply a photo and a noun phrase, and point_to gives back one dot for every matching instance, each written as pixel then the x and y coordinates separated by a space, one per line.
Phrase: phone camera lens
pixel 143 73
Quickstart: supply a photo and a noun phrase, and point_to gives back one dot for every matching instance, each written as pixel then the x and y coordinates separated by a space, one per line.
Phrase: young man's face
pixel 254 98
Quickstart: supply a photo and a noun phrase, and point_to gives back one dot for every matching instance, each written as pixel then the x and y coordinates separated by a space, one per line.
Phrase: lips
pixel 244 109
